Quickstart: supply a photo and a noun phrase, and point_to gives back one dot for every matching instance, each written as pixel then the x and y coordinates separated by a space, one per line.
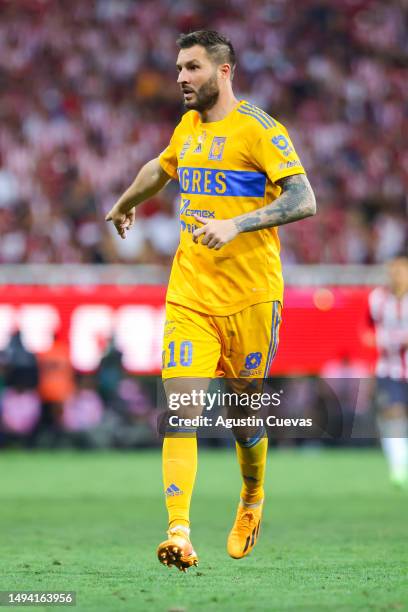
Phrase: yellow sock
pixel 179 472
pixel 252 461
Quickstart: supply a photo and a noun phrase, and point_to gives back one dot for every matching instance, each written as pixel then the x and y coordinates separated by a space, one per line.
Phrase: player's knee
pixel 186 397
pixel 181 424
pixel 247 436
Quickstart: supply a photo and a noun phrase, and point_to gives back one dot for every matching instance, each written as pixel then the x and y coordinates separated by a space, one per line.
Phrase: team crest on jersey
pixel 253 360
pixel 217 148
pixel 185 147
pixel 252 365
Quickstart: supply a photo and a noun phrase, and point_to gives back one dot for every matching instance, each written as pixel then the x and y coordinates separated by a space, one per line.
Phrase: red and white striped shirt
pixel 389 315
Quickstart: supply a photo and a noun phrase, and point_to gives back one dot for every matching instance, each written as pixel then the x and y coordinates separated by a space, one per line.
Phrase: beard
pixel 205 97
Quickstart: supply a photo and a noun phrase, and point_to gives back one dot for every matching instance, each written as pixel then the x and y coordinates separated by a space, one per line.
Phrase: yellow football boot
pixel 177 550
pixel 244 533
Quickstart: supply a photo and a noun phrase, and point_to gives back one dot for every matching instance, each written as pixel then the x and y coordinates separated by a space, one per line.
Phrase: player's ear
pixel 225 71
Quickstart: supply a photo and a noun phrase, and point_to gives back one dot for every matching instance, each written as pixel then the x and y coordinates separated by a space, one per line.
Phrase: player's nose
pixel 182 77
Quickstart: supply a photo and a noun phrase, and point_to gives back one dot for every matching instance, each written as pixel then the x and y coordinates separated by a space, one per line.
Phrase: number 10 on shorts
pixel 175 355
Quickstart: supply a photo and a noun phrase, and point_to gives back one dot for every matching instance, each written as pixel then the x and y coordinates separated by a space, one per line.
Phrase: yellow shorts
pixel 240 345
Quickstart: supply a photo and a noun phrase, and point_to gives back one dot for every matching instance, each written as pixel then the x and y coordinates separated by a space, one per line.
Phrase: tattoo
pixel 296 202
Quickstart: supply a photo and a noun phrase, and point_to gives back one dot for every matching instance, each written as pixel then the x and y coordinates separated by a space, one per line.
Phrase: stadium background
pixel 88 95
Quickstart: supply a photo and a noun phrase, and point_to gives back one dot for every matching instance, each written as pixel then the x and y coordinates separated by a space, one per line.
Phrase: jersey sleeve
pixel 275 154
pixel 168 157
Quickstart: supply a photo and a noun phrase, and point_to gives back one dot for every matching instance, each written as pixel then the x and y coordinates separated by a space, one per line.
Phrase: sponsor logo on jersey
pixel 200 141
pixel 188 227
pixel 186 146
pixel 290 164
pixel 235 183
pixel 217 148
pixel 184 205
pixel 190 212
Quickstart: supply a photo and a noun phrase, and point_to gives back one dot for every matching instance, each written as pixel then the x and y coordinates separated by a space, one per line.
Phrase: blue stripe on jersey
pixel 260 113
pixel 275 339
pixel 273 347
pixel 250 113
pixel 272 341
pixel 214 182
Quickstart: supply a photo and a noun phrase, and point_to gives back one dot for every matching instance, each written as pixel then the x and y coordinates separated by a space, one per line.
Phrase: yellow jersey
pixel 227 168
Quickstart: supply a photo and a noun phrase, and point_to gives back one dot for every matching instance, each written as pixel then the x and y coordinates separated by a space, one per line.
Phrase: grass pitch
pixel 334 535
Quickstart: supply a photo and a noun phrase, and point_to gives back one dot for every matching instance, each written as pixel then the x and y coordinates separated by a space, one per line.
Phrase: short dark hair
pixel 218 47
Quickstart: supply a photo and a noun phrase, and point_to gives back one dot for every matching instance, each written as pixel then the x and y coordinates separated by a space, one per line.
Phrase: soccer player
pixel 389 314
pixel 240 178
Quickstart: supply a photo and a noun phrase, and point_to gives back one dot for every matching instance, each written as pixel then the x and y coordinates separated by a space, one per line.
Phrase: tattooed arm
pixel 297 201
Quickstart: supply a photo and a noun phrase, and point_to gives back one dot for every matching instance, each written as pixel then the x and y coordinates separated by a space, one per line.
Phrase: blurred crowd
pixel 45 403
pixel 90 94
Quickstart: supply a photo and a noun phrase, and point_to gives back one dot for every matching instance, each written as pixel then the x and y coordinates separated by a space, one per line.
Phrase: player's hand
pixel 121 221
pixel 216 232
